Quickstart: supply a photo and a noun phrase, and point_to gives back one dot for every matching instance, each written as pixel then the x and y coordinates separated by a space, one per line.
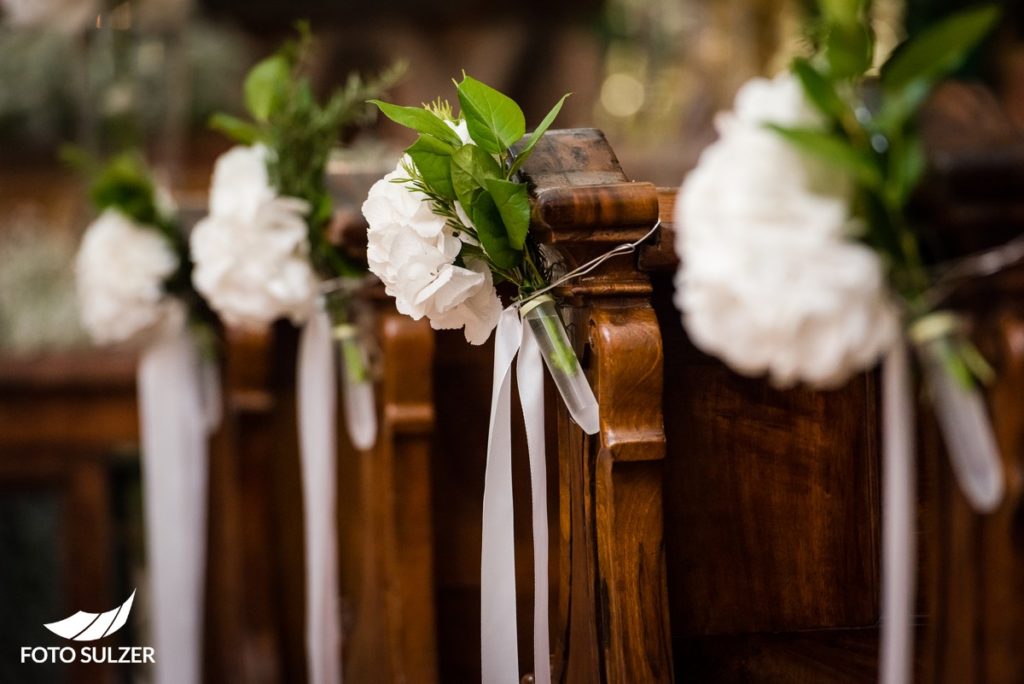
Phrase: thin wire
pixel 625 248
pixel 343 283
pixel 980 265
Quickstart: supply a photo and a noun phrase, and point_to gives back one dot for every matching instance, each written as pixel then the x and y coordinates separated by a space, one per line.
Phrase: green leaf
pixel 843 12
pixel 125 184
pixel 819 89
pixel 900 106
pixel 420 120
pixel 527 150
pixel 834 150
pixel 513 204
pixel 491 231
pixel 495 121
pixel 433 160
pixel 265 86
pixel 237 129
pixel 907 163
pixel 849 50
pixel 939 49
pixel 471 167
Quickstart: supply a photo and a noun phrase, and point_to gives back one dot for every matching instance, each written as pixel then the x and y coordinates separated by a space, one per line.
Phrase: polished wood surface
pixel 612 618
pixel 386 549
pixel 974 577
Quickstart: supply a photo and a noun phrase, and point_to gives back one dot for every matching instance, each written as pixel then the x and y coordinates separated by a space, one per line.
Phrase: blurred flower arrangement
pixel 264 252
pixel 133 272
pixel 800 258
pixel 269 203
pixel 133 269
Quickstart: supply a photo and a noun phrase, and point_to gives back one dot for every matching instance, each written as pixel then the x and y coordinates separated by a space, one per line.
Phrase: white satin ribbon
pixel 499 647
pixel 317 395
pixel 899 558
pixel 179 404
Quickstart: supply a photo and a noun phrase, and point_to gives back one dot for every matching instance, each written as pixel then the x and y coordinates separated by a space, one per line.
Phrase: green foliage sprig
pixel 299 132
pixel 480 177
pixel 871 134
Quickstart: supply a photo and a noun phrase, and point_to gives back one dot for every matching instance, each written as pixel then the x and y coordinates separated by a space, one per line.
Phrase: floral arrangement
pixel 452 217
pixel 264 253
pixel 133 270
pixel 800 259
pixel 134 286
pixel 447 225
pixel 451 221
pixel 263 250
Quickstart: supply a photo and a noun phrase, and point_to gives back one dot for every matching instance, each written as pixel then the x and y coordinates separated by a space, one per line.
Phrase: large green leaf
pixel 420 120
pixel 939 49
pixel 471 167
pixel 513 204
pixel 433 160
pixel 900 106
pixel 819 89
pixel 835 151
pixel 491 231
pixel 237 129
pixel 849 50
pixel 843 12
pixel 907 163
pixel 494 120
pixel 265 86
pixel 527 150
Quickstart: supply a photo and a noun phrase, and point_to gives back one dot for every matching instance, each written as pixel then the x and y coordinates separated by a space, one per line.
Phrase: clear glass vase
pixel 966 429
pixel 560 359
pixel 354 374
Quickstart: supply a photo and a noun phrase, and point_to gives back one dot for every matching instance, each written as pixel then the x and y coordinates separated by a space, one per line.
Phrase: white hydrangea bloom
pixel 120 271
pixel 251 254
pixel 413 252
pixel 770 280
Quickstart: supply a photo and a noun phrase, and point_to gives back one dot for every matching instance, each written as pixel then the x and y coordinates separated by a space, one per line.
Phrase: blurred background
pixel 109 76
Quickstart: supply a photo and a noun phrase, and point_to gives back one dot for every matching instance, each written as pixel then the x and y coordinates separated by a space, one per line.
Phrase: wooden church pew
pixel 973 579
pixel 386 537
pixel 747 518
pixel 744 517
pixel 611 622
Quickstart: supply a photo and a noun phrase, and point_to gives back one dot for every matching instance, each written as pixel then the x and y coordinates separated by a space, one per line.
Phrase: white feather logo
pixel 84 626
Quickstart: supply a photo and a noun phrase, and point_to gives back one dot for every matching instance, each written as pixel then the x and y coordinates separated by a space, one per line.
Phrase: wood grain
pixel 613 606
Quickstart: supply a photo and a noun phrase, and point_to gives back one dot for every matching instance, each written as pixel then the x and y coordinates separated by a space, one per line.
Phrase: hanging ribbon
pixel 974 457
pixel 499 648
pixel 357 392
pixel 316 406
pixel 358 397
pixel 179 404
pixel 899 559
